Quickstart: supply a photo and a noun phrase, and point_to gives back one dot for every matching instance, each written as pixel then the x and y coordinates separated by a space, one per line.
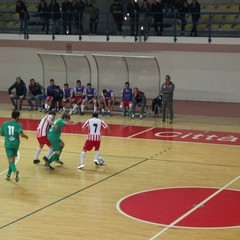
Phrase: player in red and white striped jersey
pixel 41 134
pixel 94 126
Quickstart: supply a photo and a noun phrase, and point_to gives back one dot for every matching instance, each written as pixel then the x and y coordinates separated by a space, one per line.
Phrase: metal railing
pixel 210 25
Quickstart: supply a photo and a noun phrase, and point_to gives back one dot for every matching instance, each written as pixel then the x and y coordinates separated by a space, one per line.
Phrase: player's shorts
pixel 78 99
pixel 126 102
pixel 44 141
pixel 11 152
pixel 55 144
pixel 88 146
pixel 49 98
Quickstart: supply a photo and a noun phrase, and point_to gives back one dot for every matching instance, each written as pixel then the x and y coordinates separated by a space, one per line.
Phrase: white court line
pixel 140 132
pixel 193 209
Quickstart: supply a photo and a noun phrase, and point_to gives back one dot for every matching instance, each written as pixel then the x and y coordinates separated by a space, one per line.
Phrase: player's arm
pixel 23 135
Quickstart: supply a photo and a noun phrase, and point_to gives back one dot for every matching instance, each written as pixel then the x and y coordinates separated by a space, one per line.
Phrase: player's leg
pixel 96 155
pixel 87 147
pixel 11 154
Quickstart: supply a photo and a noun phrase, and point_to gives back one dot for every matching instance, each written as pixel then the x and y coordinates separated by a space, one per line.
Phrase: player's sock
pixel 38 151
pixel 82 157
pixel 82 108
pixel 12 166
pixel 9 171
pixel 94 109
pixel 96 154
pixel 49 152
pixel 54 157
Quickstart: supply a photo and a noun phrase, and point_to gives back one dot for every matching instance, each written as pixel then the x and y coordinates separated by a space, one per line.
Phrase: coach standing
pixel 167 90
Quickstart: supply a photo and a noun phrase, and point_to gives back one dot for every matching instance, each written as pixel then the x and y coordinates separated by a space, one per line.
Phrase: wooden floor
pixel 81 204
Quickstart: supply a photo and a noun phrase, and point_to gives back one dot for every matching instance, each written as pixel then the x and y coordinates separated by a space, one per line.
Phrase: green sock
pixel 9 171
pixel 61 148
pixel 12 167
pixel 53 157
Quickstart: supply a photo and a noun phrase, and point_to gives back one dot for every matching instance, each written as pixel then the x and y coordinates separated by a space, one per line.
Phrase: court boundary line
pixel 193 209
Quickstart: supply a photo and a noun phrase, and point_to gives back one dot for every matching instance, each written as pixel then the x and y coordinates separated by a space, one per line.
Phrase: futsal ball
pixel 101 160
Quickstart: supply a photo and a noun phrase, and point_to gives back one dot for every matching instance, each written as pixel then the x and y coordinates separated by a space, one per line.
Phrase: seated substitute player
pixel 94 126
pixel 90 98
pixel 57 98
pixel 67 96
pixel 138 99
pixel 54 135
pixel 78 96
pixel 107 101
pixel 35 92
pixel 41 133
pixel 127 94
pixel 50 90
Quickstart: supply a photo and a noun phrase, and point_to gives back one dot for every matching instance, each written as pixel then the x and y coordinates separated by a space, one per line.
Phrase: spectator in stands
pixel 182 10
pixel 57 98
pixel 78 97
pixel 126 103
pixel 157 11
pixel 90 98
pixel 194 9
pixel 35 92
pixel 94 16
pixel 146 10
pixel 117 12
pixel 167 90
pixel 55 15
pixel 138 99
pixel 44 14
pixel 67 96
pixel 50 91
pixel 67 16
pixel 133 9
pixel 20 93
pixel 79 8
pixel 23 13
pixel 107 102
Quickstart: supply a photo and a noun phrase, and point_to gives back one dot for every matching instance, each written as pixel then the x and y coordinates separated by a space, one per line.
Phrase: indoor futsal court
pixel 160 181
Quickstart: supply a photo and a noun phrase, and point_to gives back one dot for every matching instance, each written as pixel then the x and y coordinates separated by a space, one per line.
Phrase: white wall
pixel 198 75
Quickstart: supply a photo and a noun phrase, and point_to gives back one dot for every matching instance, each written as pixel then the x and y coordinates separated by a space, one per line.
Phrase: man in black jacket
pixel 21 90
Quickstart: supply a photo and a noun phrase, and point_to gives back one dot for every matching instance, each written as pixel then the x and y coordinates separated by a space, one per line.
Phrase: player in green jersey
pixel 11 130
pixel 54 135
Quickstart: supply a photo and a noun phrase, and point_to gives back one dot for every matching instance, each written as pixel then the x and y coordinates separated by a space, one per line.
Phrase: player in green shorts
pixel 54 135
pixel 11 130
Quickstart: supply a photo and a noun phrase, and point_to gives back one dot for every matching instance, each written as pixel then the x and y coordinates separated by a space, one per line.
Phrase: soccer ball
pixel 101 160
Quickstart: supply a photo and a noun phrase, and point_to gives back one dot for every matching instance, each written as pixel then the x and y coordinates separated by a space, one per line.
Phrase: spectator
pixel 20 94
pixel 78 97
pixel 55 15
pixel 67 96
pixel 182 10
pixel 67 16
pixel 50 91
pixel 127 95
pixel 167 90
pixel 117 12
pixel 79 8
pixel 133 9
pixel 57 98
pixel 138 99
pixel 157 11
pixel 195 10
pixel 90 98
pixel 146 9
pixel 94 16
pixel 107 101
pixel 35 92
pixel 23 13
pixel 44 14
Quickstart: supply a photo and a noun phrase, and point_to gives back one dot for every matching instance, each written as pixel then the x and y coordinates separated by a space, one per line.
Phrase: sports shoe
pixel 36 161
pixel 48 167
pixel 80 166
pixel 58 161
pixel 133 116
pixel 162 121
pixel 17 176
pixel 8 177
pixel 141 116
pixel 81 113
pixel 96 162
pixel 171 121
